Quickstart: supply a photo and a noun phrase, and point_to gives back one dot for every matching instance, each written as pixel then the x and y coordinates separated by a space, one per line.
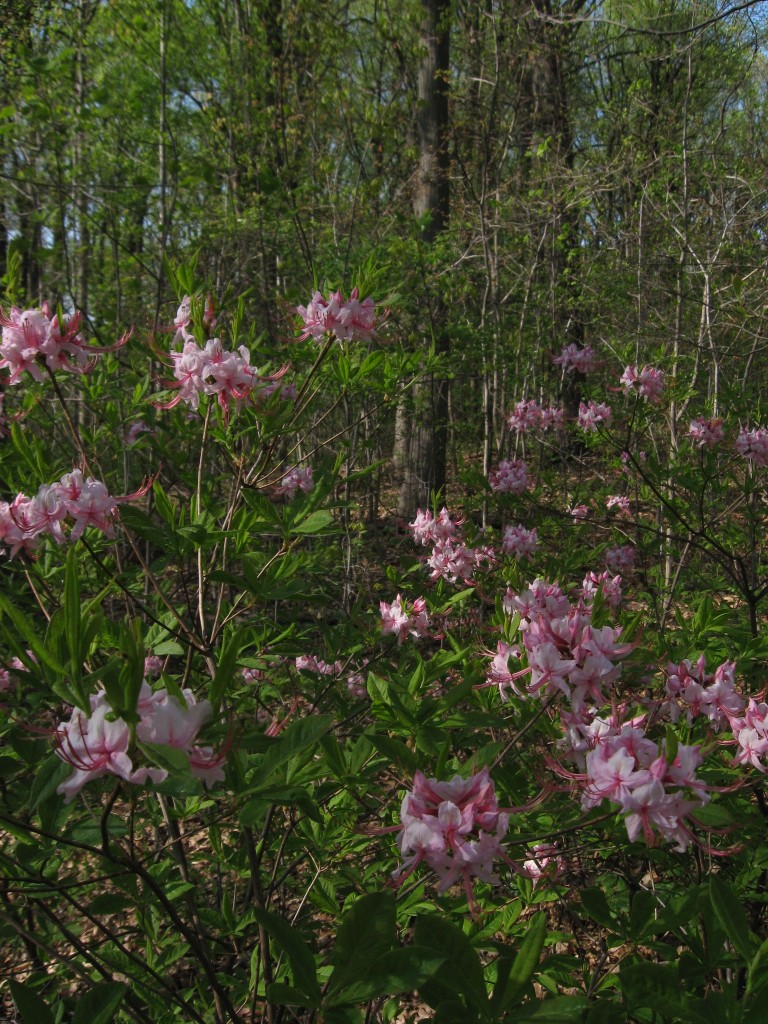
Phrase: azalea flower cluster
pixel 706 433
pixel 620 502
pixel 98 744
pixel 295 479
pixel 346 320
pixel 653 791
pixel 403 619
pixel 529 415
pixel 620 558
pixel 427 529
pixel 574 358
pixel 565 653
pixel 451 558
pixel 184 318
pixel 648 382
pixel 750 733
pixel 510 478
pixel 609 587
pixel 545 862
pixel 309 663
pixel 7 673
pixel 592 414
pixel 693 691
pixel 215 371
pixel 519 541
pixel 616 760
pixel 83 500
pixel 753 445
pixel 456 828
pixel 355 679
pixel 33 339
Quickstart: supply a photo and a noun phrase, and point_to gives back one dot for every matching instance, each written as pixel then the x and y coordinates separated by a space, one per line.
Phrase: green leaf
pixel 508 991
pixel 100 1004
pixel 604 1012
pixel 225 669
pixel 366 932
pixel 72 617
pixel 29 1006
pixel 110 903
pixel 27 632
pixel 758 971
pixel 171 758
pixel 461 973
pixel 450 1011
pixel 163 504
pixel 654 986
pixel 334 754
pixel 315 522
pixel 596 908
pixel 286 796
pixel 641 913
pixel 730 914
pixel 297 737
pixel 394 972
pixel 455 694
pixel 50 774
pixel 298 952
pixel 285 995
pixel 395 751
pixel 138 522
pixel 560 1010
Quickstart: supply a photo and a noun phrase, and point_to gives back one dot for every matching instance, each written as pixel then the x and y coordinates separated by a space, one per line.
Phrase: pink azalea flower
pixel 95 747
pixel 452 561
pixel 350 320
pixel 648 382
pixel 519 542
pixel 174 724
pixel 620 559
pixel 33 337
pixel 510 478
pixel 294 480
pixel 309 663
pixel 153 665
pixel 753 445
pixel 356 685
pixel 428 530
pixel 592 414
pixel 215 371
pixel 404 621
pixel 548 669
pixel 545 862
pixel 706 433
pixel 498 673
pixel 610 587
pixel 620 502
pixel 574 358
pixel 132 434
pixel 529 415
pixel 454 827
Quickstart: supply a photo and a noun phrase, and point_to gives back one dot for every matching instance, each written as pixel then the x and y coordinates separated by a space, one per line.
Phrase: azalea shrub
pixel 260 762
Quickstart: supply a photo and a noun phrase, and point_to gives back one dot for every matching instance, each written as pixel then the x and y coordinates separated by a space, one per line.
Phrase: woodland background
pixel 518 175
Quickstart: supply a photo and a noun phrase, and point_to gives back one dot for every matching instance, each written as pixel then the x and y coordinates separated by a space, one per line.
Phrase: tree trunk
pixel 423 421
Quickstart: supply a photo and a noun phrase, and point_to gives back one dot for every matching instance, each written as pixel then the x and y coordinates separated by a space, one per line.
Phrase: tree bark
pixel 422 431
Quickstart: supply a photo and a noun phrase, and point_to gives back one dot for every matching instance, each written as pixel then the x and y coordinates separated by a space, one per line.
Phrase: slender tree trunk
pixel 424 434
pixel 162 166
